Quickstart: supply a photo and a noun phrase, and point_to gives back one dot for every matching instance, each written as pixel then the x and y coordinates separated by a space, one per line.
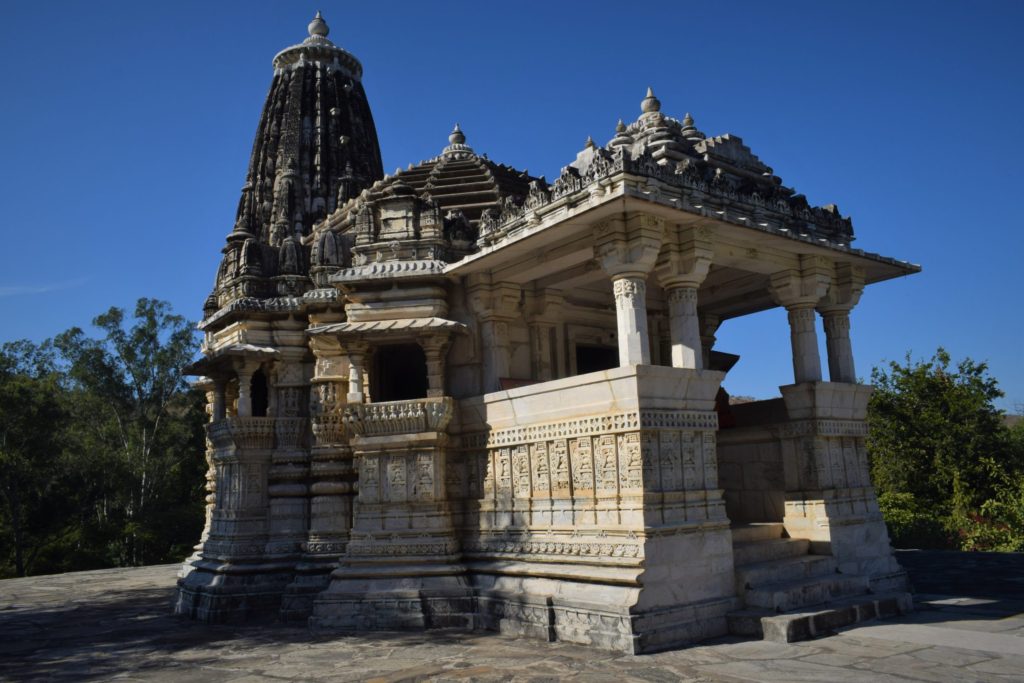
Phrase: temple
pixel 462 396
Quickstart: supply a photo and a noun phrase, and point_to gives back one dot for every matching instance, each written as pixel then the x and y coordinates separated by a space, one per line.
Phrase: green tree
pixel 140 427
pixel 941 455
pixel 33 407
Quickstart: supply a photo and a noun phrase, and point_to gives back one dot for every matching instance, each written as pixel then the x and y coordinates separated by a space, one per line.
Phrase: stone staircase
pixel 792 595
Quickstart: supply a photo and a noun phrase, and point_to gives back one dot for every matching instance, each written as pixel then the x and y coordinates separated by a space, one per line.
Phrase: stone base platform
pixel 115 624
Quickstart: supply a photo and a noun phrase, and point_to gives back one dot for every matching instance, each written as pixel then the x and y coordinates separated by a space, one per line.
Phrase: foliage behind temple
pixel 101 446
pixel 949 473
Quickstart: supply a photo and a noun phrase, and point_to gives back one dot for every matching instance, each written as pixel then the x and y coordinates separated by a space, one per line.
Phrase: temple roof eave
pixel 576 214
pixel 220 362
pixel 393 327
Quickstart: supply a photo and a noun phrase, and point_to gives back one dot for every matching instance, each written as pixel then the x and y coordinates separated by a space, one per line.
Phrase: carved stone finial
pixel 457 137
pixel 689 131
pixel 318 27
pixel 650 103
pixel 457 148
pixel 590 142
pixel 620 127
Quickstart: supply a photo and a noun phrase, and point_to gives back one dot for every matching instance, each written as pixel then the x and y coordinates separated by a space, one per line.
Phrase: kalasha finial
pixel 457 137
pixel 318 27
pixel 650 103
pixel 620 127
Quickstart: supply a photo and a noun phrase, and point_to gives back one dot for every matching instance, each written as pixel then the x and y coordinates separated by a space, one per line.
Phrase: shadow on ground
pixel 117 624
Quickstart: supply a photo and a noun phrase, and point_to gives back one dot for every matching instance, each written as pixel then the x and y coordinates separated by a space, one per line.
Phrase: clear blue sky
pixel 127 129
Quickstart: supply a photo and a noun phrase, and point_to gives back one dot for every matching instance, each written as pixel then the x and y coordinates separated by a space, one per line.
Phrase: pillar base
pixel 216 593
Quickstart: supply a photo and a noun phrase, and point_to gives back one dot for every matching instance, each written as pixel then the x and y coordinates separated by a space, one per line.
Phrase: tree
pixel 942 459
pixel 139 424
pixel 32 407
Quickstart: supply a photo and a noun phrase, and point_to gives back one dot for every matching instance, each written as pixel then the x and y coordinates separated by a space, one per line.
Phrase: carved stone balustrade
pixel 242 432
pixel 399 417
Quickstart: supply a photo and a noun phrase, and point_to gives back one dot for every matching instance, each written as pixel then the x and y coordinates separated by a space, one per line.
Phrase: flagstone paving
pixel 115 625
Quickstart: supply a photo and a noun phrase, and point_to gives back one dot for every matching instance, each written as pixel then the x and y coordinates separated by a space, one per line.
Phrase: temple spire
pixel 316 147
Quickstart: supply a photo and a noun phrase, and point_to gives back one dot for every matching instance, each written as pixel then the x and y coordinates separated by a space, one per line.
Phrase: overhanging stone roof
pixel 387 327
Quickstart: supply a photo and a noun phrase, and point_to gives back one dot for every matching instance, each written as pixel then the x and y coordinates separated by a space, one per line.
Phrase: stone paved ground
pixel 114 624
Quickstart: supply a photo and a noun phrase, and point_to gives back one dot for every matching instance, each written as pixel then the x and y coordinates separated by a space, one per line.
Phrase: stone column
pixel 627 248
pixel 245 372
pixel 496 305
pixel 799 291
pixel 356 359
pixel 434 348
pixel 683 264
pixel 684 327
pixel 835 308
pixel 219 397
pixel 631 314
pixel 543 315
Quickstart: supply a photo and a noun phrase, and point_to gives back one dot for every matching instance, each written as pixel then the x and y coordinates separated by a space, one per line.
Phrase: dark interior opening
pixel 399 373
pixel 595 358
pixel 259 394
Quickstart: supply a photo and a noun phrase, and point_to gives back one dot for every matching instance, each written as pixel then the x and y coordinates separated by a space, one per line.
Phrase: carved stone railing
pixel 329 428
pixel 242 432
pixel 399 417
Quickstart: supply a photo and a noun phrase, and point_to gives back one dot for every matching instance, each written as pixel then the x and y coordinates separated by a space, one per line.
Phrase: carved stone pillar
pixel 218 395
pixel 799 291
pixel 627 249
pixel 631 317
pixel 683 264
pixel 542 309
pixel 496 305
pixel 245 372
pixel 835 308
pixel 434 348
pixel 684 327
pixel 356 370
pixel 804 339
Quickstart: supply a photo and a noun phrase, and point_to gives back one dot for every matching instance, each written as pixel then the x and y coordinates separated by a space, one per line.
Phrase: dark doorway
pixel 259 393
pixel 595 358
pixel 399 373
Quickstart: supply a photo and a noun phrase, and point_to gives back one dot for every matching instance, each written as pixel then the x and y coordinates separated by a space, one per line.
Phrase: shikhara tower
pixel 461 396
pixel 315 148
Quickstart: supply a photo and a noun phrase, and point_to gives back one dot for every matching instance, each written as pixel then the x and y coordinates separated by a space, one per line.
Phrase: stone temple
pixel 461 396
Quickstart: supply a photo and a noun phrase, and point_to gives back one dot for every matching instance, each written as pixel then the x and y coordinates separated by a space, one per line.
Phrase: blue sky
pixel 128 128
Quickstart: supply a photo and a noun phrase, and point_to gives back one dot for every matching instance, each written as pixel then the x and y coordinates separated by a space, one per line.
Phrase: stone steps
pixel 750 552
pixel 801 567
pixel 760 531
pixel 805 624
pixel 795 594
pixel 790 595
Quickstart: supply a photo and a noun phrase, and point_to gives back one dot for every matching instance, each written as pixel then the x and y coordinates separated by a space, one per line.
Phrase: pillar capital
pixel 685 258
pixel 844 291
pixel 628 245
pixel 493 300
pixel 793 289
